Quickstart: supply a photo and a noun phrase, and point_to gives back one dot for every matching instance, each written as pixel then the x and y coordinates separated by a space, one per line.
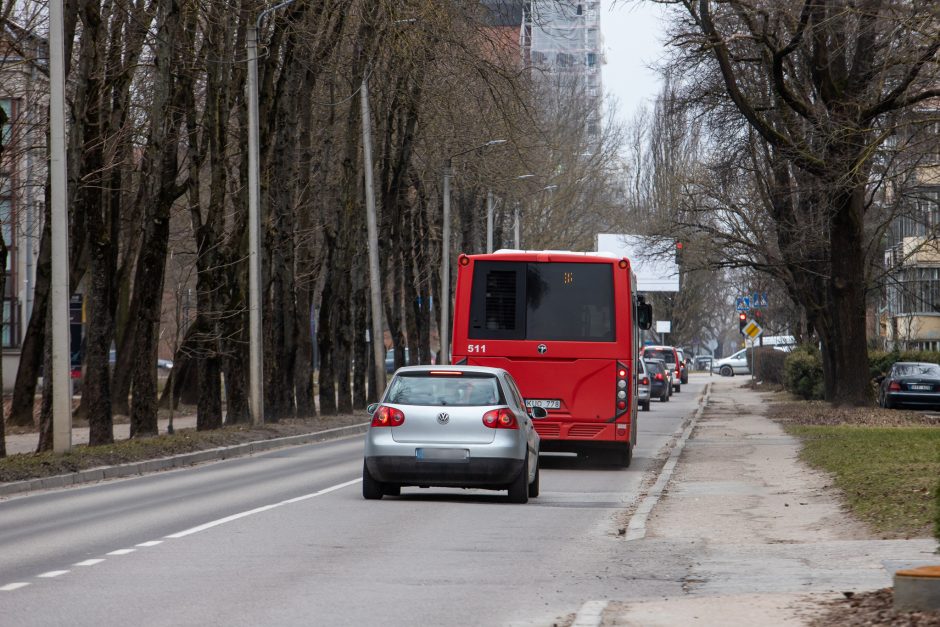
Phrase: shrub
pixel 770 364
pixel 802 373
pixel 879 361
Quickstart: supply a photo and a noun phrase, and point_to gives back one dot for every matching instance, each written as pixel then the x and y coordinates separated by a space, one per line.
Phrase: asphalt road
pixel 285 538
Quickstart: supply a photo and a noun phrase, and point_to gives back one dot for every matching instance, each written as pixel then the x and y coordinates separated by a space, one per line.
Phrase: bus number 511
pixel 476 348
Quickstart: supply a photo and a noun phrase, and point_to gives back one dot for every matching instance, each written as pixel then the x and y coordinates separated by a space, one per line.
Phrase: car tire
pixel 645 405
pixel 534 486
pixel 678 389
pixel 888 404
pixel 664 397
pixel 519 488
pixel 371 489
pixel 390 489
pixel 726 371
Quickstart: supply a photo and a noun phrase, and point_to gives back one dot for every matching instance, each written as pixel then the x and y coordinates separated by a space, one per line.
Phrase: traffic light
pixel 678 253
pixel 742 321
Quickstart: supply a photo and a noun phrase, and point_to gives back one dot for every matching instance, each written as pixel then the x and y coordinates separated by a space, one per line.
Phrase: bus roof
pixel 511 251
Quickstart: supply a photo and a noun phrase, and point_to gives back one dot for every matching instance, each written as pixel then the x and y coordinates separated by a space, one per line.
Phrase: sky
pixel 633 39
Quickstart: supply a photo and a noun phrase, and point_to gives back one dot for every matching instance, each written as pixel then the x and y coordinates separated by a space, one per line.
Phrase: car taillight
pixel 659 376
pixel 500 419
pixel 387 417
pixel 645 381
pixel 894 386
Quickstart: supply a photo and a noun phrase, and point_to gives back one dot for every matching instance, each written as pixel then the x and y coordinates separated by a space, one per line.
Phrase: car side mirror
pixel 371 408
pixel 538 412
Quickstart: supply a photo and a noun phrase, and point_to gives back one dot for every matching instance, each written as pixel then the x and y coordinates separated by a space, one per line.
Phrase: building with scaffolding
pixel 561 40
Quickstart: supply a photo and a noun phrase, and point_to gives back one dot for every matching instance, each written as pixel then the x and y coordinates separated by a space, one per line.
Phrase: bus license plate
pixel 546 403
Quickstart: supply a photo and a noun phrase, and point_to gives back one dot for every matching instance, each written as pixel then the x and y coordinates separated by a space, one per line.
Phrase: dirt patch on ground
pixel 871 608
pixel 821 413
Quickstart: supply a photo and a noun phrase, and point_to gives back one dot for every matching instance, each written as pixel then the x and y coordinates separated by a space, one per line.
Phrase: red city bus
pixel 565 325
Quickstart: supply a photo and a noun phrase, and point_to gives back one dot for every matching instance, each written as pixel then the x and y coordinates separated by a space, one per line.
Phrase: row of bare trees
pixel 784 132
pixel 158 202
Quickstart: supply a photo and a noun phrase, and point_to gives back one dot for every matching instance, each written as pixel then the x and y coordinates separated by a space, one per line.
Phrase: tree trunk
pixel 844 339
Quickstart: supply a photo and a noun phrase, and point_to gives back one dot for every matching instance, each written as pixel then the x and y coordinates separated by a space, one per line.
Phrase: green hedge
pixel 880 361
pixel 770 364
pixel 802 373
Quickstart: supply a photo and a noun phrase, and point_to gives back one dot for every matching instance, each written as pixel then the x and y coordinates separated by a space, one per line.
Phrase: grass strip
pixel 889 475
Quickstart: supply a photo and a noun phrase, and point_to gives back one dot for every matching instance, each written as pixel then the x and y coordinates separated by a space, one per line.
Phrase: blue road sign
pixel 743 303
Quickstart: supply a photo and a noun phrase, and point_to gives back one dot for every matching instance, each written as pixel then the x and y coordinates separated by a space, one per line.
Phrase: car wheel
pixel 678 389
pixel 726 371
pixel 664 397
pixel 645 405
pixel 371 489
pixel 534 486
pixel 389 489
pixel 888 404
pixel 519 488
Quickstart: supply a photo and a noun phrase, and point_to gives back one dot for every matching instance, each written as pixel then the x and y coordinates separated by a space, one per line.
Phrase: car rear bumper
pixel 481 472
pixel 914 398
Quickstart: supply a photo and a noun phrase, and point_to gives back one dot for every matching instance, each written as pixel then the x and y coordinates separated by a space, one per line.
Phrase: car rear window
pixel 667 356
pixel 918 369
pixel 654 367
pixel 425 388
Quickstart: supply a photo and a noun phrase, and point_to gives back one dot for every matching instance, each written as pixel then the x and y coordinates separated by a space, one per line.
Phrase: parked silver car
pixel 452 426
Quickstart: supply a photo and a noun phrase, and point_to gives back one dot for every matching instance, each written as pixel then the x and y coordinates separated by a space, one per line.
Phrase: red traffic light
pixel 678 245
pixel 742 316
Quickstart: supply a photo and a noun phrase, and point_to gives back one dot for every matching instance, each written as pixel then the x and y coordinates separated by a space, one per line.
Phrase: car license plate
pixel 915 386
pixel 546 403
pixel 442 454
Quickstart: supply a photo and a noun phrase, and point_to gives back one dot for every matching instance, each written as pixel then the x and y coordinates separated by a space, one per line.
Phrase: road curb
pixel 636 530
pixel 101 473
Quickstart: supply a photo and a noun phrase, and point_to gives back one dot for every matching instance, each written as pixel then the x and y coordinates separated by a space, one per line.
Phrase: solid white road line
pixel 258 510
pixel 89 562
pixel 13 586
pixel 590 615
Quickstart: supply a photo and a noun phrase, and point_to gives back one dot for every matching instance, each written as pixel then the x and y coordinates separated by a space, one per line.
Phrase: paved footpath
pixel 759 535
pixel 27 442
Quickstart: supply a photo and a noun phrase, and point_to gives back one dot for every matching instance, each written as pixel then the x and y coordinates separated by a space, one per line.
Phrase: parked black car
pixel 660 382
pixel 910 383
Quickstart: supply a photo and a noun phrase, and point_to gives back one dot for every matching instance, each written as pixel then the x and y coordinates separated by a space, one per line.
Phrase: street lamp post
pixel 255 354
pixel 445 251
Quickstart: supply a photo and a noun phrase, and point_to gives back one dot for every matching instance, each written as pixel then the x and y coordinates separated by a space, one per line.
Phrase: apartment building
pixel 24 100
pixel 910 313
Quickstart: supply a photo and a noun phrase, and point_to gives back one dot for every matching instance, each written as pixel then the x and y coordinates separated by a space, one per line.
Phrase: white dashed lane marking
pixel 182 534
pixel 13 586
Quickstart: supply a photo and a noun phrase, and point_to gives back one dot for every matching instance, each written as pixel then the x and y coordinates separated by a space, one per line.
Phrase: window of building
pixel 8 330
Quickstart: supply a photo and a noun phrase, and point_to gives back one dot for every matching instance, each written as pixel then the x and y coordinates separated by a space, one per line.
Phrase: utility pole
pixel 515 228
pixel 59 225
pixel 445 269
pixel 490 207
pixel 255 391
pixel 375 291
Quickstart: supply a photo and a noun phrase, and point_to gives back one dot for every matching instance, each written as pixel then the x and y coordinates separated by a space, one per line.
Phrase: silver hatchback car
pixel 452 426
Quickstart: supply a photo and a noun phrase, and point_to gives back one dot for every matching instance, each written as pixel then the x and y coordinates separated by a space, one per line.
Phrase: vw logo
pixel 542 349
pixel 443 418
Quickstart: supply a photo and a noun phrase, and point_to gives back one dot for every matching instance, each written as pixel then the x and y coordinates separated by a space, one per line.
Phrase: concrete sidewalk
pixel 762 537
pixel 27 442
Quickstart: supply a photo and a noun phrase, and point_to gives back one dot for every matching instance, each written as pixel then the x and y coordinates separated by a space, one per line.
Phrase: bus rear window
pixel 542 301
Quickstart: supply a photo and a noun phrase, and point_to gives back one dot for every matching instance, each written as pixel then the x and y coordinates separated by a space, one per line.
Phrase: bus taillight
pixel 623 373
